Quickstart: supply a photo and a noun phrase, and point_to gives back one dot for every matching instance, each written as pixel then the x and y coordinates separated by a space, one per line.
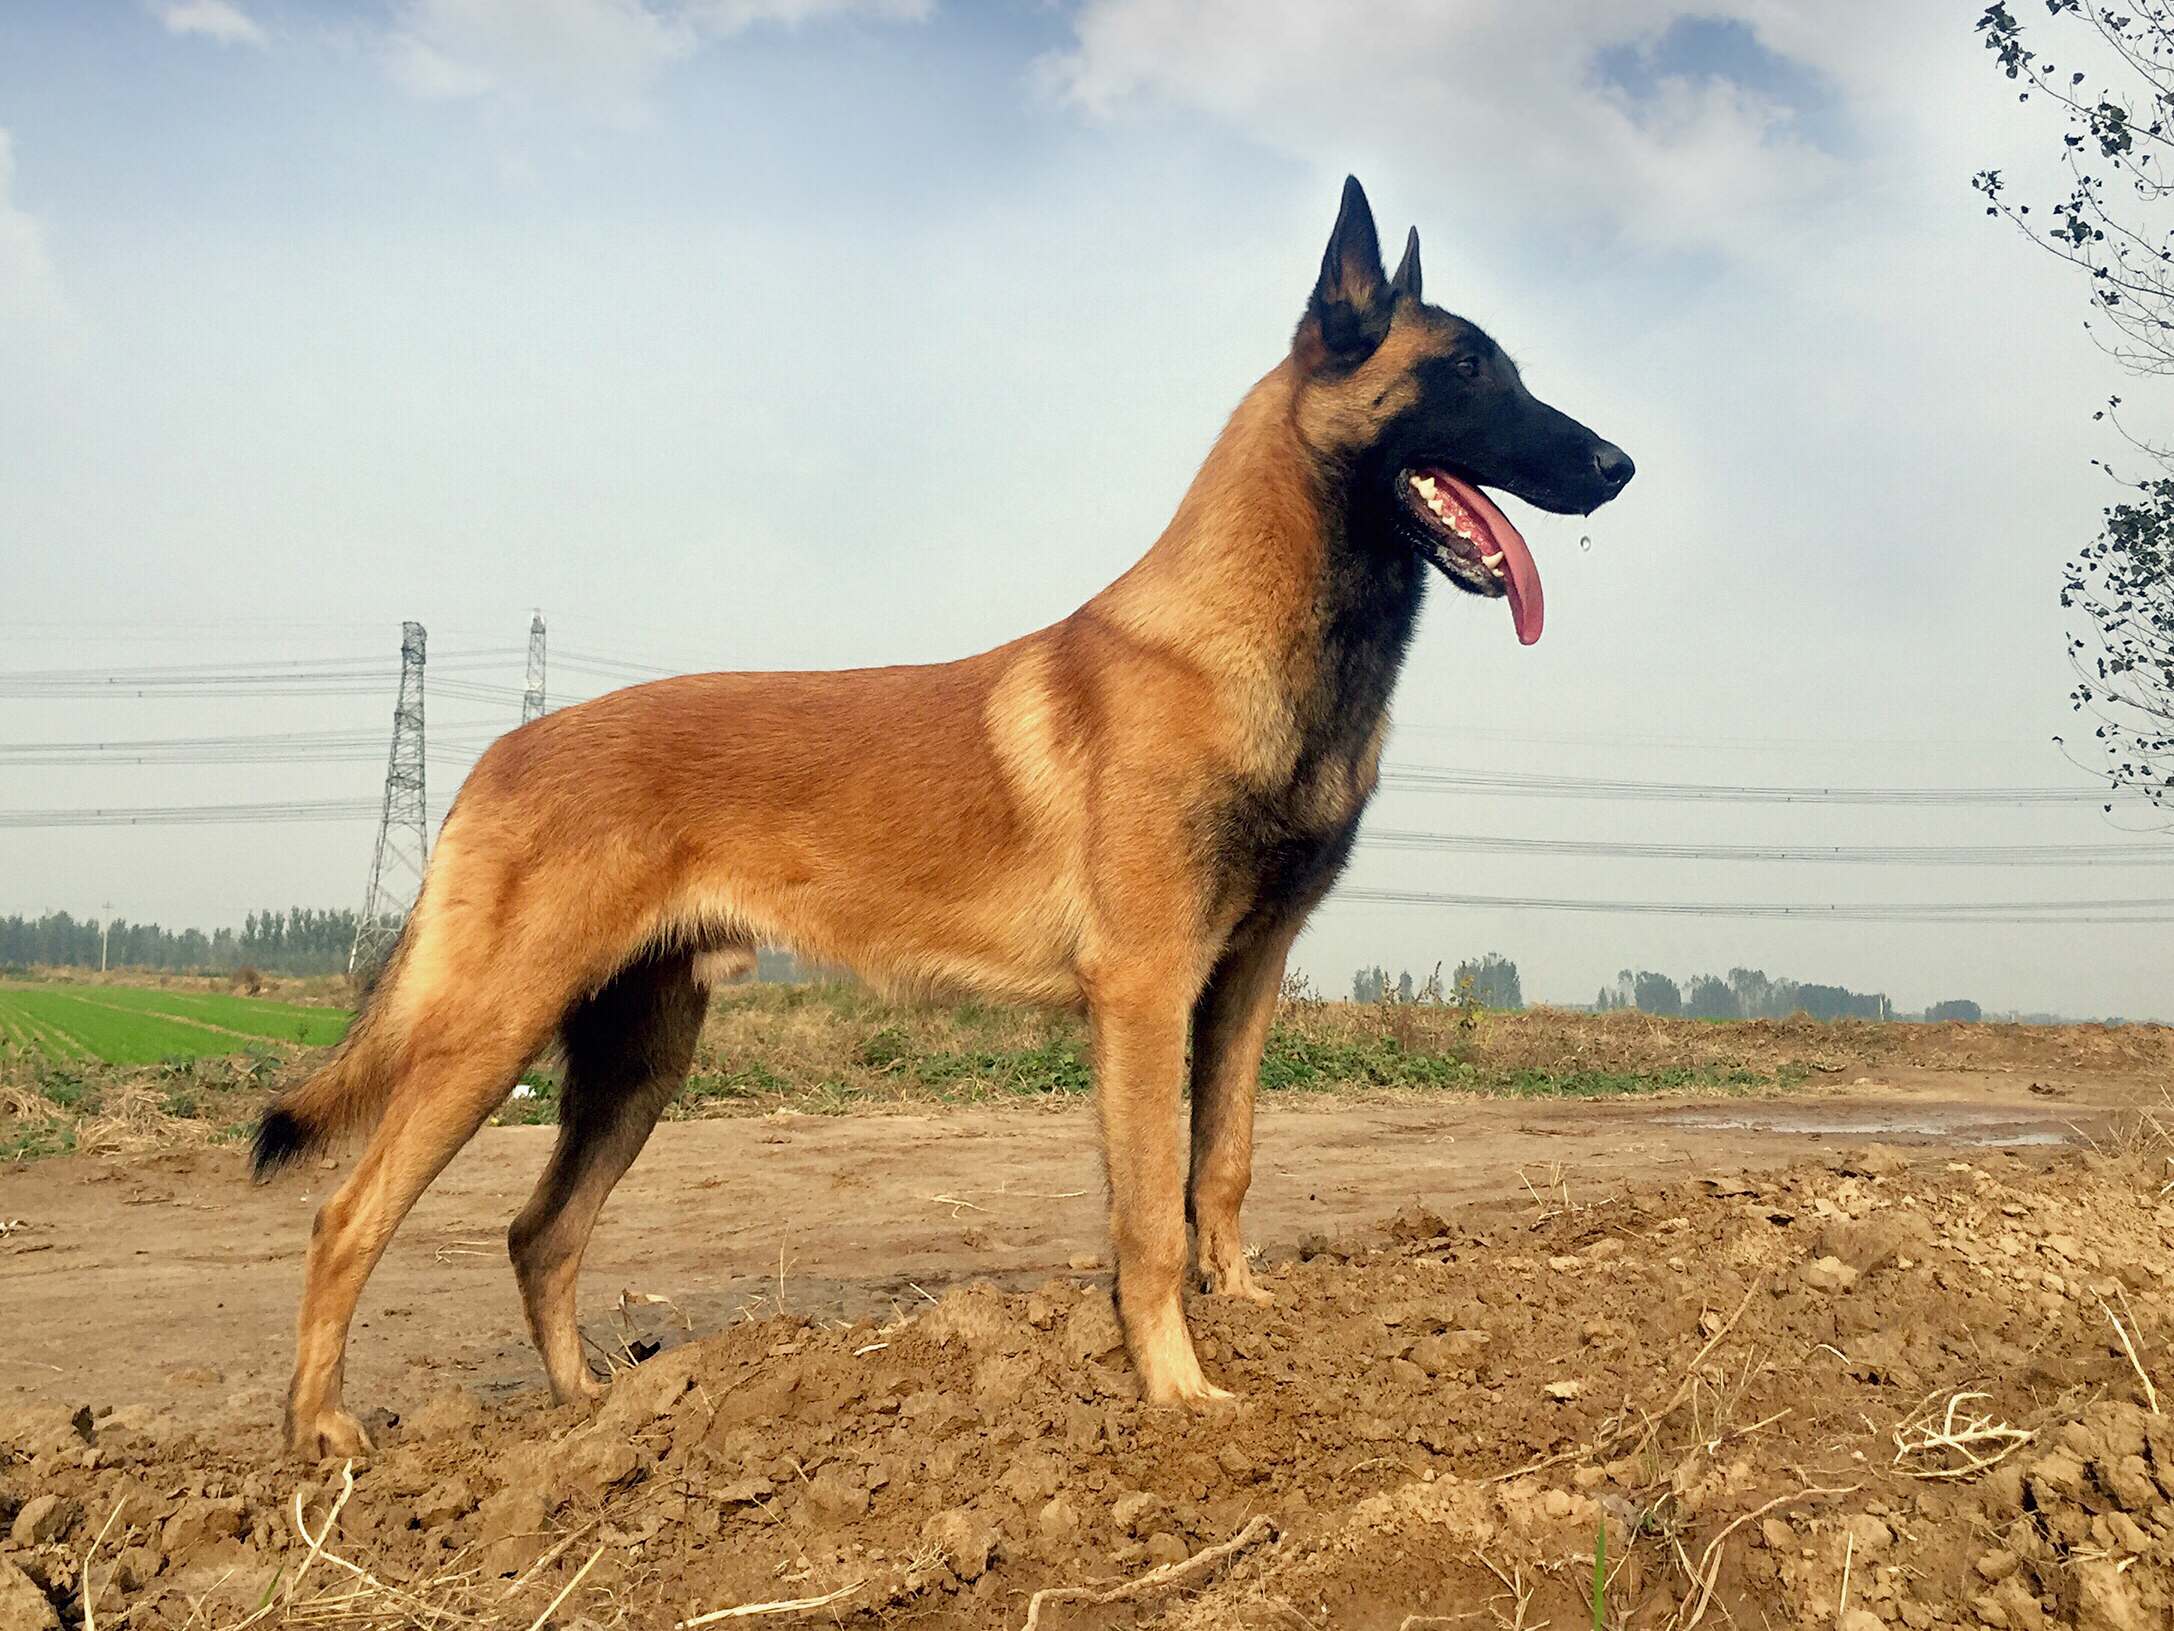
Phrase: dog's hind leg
pixel 448 1086
pixel 628 1049
pixel 1230 1027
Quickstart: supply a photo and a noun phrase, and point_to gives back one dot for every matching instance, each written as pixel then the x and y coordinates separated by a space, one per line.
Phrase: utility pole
pixel 532 698
pixel 104 929
pixel 403 841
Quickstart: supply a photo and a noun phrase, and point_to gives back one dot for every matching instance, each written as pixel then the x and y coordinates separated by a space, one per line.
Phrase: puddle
pixel 1959 1126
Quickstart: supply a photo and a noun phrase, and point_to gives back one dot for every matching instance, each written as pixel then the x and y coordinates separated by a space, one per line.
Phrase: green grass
pixel 129 1025
pixel 1057 1066
pixel 1597 1084
pixel 1295 1059
pixel 251 1016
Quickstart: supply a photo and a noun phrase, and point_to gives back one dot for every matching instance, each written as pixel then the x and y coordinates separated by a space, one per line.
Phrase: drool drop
pixel 1585 542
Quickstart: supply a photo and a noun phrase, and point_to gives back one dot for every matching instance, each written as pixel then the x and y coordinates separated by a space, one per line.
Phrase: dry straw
pixel 1166 1578
pixel 1973 1436
pixel 2151 1394
pixel 1708 1572
pixel 749 1611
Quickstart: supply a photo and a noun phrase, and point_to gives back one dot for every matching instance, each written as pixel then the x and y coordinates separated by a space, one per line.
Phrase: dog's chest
pixel 1284 841
pixel 1279 848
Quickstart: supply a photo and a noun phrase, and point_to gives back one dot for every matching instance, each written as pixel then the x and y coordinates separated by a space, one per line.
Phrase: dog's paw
pixel 582 1388
pixel 1235 1279
pixel 1179 1380
pixel 332 1435
pixel 1241 1284
pixel 1206 1396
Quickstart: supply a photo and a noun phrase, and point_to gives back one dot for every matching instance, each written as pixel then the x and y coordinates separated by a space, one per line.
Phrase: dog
pixel 1129 814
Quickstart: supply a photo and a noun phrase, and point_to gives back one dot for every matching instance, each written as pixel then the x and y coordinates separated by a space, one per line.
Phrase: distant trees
pixel 1836 1002
pixel 1374 985
pixel 1756 995
pixel 1646 991
pixel 1494 984
pixel 1961 1008
pixel 1711 998
pixel 1746 994
pixel 298 941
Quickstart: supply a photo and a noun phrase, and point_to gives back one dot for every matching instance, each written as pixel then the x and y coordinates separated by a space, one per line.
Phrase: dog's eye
pixel 1468 368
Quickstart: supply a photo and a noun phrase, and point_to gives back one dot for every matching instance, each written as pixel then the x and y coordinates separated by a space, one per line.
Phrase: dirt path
pixel 171 1279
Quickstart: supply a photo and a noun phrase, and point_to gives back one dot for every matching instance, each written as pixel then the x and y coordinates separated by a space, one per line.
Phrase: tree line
pixel 1489 982
pixel 1748 994
pixel 299 941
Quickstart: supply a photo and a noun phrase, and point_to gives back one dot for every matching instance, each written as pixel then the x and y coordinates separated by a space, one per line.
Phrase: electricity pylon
pixel 532 699
pixel 403 837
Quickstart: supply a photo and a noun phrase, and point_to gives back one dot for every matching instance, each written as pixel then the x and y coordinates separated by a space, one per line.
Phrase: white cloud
pixel 216 19
pixel 30 297
pixel 1686 130
pixel 600 56
pixel 732 16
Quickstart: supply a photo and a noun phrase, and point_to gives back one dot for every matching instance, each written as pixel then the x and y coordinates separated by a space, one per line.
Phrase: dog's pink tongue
pixel 1527 609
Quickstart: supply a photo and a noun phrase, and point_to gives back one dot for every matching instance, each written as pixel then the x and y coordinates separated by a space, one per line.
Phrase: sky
pixel 825 333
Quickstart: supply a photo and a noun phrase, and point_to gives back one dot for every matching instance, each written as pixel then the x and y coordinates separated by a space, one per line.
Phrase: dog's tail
pixel 347 1093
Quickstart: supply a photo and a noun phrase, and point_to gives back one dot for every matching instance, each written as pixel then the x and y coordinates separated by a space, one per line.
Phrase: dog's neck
pixel 1270 577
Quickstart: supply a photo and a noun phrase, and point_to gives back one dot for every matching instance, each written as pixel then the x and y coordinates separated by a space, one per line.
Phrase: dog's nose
pixel 1614 466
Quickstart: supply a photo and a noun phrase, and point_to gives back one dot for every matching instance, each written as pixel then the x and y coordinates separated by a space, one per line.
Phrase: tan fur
pixel 1027 823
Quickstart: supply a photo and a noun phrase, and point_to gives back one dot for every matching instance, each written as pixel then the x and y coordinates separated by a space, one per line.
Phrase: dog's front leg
pixel 1139 1045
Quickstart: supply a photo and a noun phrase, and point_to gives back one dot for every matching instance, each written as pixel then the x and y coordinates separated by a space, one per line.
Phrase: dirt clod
pixel 44 1518
pixel 23 1607
pixel 1829 1275
pixel 510 1529
pixel 443 1502
pixel 963 1539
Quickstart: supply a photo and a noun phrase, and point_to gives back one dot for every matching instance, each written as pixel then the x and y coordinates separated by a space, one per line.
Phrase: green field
pixel 129 1025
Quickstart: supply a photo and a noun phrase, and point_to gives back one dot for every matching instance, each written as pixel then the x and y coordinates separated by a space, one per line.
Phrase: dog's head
pixel 1418 411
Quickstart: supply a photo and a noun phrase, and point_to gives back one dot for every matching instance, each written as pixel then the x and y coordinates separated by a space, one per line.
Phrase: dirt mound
pixel 1859 1393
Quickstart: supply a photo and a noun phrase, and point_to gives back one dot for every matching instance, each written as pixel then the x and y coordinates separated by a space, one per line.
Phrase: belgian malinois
pixel 1128 814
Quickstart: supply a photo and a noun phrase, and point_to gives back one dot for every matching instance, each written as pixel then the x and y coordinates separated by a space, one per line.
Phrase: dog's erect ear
pixel 1351 270
pixel 1406 281
pixel 1348 315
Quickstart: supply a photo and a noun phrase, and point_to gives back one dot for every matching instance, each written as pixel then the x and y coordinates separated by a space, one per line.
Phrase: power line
pixel 360 745
pixel 609 666
pixel 1423 778
pixel 2026 911
pixel 300 676
pixel 287 747
pixel 186 815
pixel 2160 853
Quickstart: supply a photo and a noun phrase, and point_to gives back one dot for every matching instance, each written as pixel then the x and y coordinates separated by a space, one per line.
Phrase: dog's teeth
pixel 1425 487
pixel 1493 562
pixel 1434 503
